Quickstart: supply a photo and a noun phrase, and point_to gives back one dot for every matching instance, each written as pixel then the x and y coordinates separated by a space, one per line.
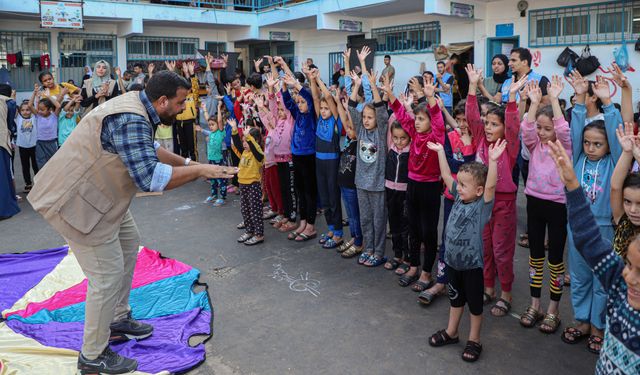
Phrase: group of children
pixel 401 154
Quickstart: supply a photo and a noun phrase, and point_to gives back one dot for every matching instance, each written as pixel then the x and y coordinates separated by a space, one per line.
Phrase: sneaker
pixel 210 199
pixel 109 362
pixel 130 329
pixel 219 202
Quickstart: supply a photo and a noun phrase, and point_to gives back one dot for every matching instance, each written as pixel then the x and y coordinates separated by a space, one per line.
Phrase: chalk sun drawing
pixel 301 284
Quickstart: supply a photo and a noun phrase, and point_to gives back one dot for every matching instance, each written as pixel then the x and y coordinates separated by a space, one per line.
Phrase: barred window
pixel 420 37
pixel 32 45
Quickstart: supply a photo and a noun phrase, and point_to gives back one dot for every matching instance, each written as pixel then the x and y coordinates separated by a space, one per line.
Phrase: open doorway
pixel 461 87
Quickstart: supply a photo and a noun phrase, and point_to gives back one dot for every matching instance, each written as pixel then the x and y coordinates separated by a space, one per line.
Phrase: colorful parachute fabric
pixel 42 304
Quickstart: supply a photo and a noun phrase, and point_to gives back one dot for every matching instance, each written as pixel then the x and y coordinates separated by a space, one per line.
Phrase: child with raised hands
pixel 328 131
pixel 460 148
pixel 620 276
pixel 546 209
pixel 249 179
pixel 371 129
pixel 474 193
pixel 68 118
pixel 595 154
pixel 625 191
pixel 363 93
pixel 424 186
pixel 303 155
pixel 500 233
pixel 215 142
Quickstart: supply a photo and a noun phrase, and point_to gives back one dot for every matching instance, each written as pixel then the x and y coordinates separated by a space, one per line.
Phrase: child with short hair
pixel 546 209
pixel 68 118
pixel 424 185
pixel 474 194
pixel 26 142
pixel 595 154
pixel 46 110
pixel 215 139
pixel 620 276
pixel 249 178
pixel 500 233
pixel 371 128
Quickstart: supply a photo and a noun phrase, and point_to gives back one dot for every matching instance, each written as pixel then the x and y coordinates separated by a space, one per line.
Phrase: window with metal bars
pixel 420 37
pixel 80 50
pixel 160 48
pixel 32 45
pixel 602 23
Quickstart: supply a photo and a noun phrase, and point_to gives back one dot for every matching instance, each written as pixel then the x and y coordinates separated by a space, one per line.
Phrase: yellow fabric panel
pixel 20 355
pixel 65 275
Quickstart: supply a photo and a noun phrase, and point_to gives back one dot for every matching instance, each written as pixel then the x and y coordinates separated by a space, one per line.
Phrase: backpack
pixel 587 63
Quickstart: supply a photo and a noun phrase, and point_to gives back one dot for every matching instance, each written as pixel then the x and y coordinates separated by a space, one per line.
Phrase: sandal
pixel 530 317
pixel 524 240
pixel 420 286
pixel 552 321
pixel 392 264
pixel 426 297
pixel 406 280
pixel 594 340
pixel 306 237
pixel 332 244
pixel 374 261
pixel 241 225
pixel 363 258
pixel 244 237
pixel 504 308
pixel 572 335
pixel 402 269
pixel 287 227
pixel 324 237
pixel 487 298
pixel 253 241
pixel 293 235
pixel 351 251
pixel 472 351
pixel 442 338
pixel 344 246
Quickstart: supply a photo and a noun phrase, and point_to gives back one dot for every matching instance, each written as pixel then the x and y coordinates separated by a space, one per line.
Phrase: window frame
pixel 401 37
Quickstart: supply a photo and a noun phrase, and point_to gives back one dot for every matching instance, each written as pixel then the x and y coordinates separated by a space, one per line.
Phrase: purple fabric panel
pixel 167 349
pixel 24 271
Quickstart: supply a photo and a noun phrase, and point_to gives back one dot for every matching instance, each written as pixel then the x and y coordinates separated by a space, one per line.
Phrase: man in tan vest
pixel 85 190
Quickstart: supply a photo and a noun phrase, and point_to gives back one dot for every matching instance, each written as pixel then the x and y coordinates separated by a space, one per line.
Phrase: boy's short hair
pixel 139 65
pixel 255 80
pixel 477 170
pixel 387 57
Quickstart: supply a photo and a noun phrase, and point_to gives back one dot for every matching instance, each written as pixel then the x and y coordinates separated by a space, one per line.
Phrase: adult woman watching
pixel 100 87
pixel 490 86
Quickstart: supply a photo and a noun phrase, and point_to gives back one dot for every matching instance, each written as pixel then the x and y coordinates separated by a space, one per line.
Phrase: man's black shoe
pixel 130 329
pixel 109 362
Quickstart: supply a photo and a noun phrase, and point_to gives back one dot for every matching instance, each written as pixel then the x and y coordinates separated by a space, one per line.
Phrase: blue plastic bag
pixel 621 55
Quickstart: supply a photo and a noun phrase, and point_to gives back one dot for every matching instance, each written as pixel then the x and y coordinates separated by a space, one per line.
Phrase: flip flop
pixel 305 237
pixel 293 235
pixel 503 309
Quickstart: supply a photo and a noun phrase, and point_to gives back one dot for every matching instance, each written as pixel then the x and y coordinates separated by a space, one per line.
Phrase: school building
pixel 126 31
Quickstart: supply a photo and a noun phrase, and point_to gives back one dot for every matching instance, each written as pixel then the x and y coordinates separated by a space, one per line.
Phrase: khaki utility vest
pixel 4 125
pixel 84 191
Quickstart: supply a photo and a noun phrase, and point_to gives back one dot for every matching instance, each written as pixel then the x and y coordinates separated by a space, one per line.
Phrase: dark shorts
pixel 466 287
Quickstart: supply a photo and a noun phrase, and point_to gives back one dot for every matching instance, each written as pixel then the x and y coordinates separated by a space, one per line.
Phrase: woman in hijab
pixel 490 87
pixel 87 73
pixel 100 87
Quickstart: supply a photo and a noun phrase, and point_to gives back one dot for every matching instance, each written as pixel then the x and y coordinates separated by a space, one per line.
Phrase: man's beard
pixel 167 120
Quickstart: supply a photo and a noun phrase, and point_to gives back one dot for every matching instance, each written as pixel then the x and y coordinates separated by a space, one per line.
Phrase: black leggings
pixel 234 161
pixel 398 222
pixel 543 216
pixel 28 156
pixel 423 209
pixel 304 170
pixel 286 189
pixel 186 136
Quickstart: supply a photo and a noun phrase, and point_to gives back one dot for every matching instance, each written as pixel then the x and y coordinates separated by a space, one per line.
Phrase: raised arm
pixel 445 172
pixel 627 141
pixel 448 119
pixel 471 110
pixel 55 101
pixel 626 100
pixel 495 151
pixel 333 105
pixel 579 112
pixel 529 134
pixel 313 85
pixel 612 116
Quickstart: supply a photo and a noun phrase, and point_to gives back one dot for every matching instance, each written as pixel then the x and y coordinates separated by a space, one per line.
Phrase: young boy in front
pixel 473 193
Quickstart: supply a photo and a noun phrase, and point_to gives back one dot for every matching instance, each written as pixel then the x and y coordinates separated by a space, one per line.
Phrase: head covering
pixel 97 80
pixel 500 78
pixel 89 72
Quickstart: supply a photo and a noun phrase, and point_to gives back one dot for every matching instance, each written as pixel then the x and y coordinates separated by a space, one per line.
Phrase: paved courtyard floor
pixel 289 308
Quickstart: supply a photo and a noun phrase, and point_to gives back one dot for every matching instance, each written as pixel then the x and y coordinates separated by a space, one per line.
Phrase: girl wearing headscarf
pixel 100 87
pixel 87 73
pixel 490 86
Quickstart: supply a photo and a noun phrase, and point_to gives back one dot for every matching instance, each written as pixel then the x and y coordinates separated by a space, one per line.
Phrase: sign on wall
pixel 504 29
pixel 280 35
pixel 62 14
pixel 461 10
pixel 349 25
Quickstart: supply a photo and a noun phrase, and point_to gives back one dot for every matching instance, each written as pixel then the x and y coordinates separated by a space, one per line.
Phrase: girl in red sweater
pixel 500 233
pixel 425 185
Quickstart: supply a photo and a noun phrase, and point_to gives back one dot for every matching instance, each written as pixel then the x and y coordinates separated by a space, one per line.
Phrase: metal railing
pixel 239 5
pixel 418 37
